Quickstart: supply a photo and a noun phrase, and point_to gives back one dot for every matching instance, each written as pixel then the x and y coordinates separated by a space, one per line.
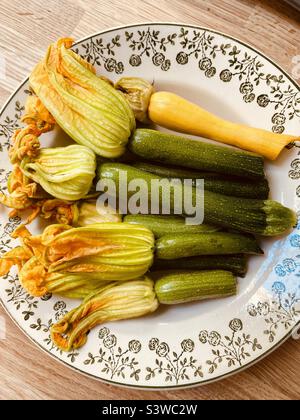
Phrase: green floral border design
pixel 232 349
pixel 9 125
pixel 98 53
pixel 200 45
pixel 175 367
pixel 149 43
pixel 115 361
pixel 119 364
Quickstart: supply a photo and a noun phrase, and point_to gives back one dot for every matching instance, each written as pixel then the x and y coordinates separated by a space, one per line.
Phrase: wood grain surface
pixel 26 28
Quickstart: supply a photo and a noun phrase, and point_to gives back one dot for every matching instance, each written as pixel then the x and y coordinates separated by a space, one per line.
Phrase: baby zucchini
pixel 262 217
pixel 171 247
pixel 163 225
pixel 167 171
pixel 175 150
pixel 222 184
pixel 237 264
pixel 188 286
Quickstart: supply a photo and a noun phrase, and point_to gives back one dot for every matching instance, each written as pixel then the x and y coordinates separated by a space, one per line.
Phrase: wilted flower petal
pixel 37 115
pixel 117 301
pixel 90 213
pixel 138 93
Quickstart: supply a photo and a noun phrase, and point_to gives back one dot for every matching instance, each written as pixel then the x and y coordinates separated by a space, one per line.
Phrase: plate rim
pixel 143 387
pixel 152 388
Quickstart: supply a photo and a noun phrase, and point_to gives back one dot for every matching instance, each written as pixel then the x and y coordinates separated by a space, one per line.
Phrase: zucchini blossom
pixel 74 261
pixel 116 251
pixel 117 301
pixel 66 173
pixel 37 115
pixel 138 93
pixel 91 111
pixel 90 213
pixel 37 281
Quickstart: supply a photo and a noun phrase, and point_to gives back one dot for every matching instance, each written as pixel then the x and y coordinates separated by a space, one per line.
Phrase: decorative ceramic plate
pixel 201 342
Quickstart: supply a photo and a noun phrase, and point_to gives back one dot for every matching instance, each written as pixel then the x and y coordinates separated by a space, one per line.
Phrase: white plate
pixel 201 342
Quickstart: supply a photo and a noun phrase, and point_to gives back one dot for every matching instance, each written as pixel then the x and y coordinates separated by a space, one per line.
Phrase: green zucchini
pixel 222 184
pixel 175 150
pixel 169 247
pixel 237 264
pixel 163 225
pixel 262 217
pixel 173 171
pixel 188 286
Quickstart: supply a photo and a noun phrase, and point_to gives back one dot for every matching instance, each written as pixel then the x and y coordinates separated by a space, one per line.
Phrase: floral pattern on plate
pixel 208 341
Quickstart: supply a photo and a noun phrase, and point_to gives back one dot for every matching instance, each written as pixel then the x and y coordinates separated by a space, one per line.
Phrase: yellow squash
pixel 176 113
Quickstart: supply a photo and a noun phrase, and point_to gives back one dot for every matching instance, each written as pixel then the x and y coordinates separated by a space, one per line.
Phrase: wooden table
pixel 26 28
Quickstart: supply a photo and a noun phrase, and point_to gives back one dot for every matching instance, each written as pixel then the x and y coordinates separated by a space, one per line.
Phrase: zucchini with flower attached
pixel 78 214
pixel 114 302
pixel 118 251
pixel 94 253
pixel 263 217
